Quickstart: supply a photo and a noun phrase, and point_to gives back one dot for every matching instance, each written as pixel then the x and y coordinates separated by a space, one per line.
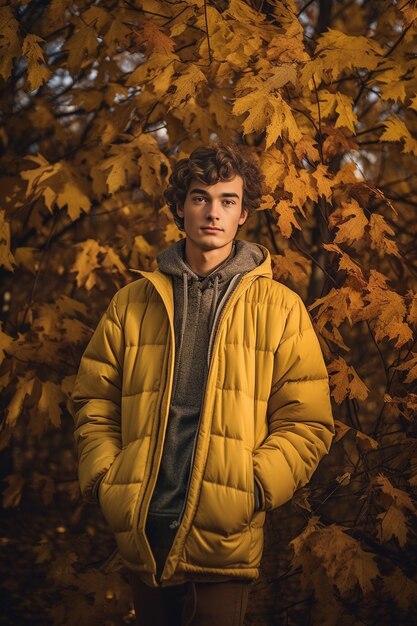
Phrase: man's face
pixel 212 213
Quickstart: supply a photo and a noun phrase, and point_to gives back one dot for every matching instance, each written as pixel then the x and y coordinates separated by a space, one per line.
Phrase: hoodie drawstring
pixel 217 310
pixel 214 299
pixel 183 324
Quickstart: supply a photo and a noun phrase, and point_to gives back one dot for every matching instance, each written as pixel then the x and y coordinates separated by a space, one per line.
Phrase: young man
pixel 201 402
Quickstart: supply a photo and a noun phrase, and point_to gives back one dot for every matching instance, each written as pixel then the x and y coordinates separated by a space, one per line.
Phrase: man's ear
pixel 179 210
pixel 243 217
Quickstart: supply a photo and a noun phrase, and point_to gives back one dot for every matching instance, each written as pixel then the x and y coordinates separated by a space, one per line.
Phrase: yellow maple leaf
pixel 409 366
pixel 340 104
pixel 112 261
pixel 38 72
pixel 156 72
pixel 280 75
pixel 13 492
pixel 120 167
pixel 339 52
pixel 283 48
pixel 73 197
pixel 350 222
pixel 185 86
pixel 86 262
pixel 345 381
pixel 142 252
pixel 151 162
pixel 157 40
pixel 219 107
pixel 378 231
pixel 412 314
pixel 393 84
pixel 28 258
pixel 392 521
pixel 242 12
pixel 10 43
pixel 256 105
pixel 268 113
pixel 59 183
pixel 396 130
pixel 75 330
pixel 324 181
pixel 272 162
pixel 307 147
pixel 387 310
pixel 118 34
pixel 345 115
pixel 6 343
pixel 171 233
pixel 299 183
pixel 98 18
pixel 413 104
pixel 334 307
pixel 281 121
pixel 24 388
pixel 48 407
pixel 399 587
pixel 291 265
pixel 82 43
pixel 286 218
pixel 346 262
pixel 7 259
pixel 396 496
pixel 89 99
pixel 332 551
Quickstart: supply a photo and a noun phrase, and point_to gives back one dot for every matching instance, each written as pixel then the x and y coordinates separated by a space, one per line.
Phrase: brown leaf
pixel 378 231
pixel 345 381
pixel 157 40
pixel 13 493
pixel 291 265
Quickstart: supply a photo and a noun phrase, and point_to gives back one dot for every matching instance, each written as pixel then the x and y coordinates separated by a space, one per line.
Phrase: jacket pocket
pixel 103 477
pixel 251 486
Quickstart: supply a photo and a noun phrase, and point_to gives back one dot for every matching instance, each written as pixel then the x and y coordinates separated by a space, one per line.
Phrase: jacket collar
pixel 163 283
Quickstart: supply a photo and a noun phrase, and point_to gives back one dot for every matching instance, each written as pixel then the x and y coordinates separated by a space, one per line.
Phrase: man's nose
pixel 213 209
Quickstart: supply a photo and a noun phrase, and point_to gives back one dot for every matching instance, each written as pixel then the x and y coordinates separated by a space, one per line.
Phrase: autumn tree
pixel 98 100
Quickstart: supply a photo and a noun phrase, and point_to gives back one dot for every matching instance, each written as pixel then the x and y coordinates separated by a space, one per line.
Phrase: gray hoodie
pixel 198 302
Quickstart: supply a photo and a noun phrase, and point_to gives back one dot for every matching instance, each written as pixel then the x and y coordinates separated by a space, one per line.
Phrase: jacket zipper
pixel 213 336
pixel 149 488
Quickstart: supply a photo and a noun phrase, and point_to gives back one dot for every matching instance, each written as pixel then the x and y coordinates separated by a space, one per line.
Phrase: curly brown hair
pixel 209 165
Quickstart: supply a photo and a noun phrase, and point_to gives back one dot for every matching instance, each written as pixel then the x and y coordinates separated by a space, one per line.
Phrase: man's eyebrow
pixel 202 192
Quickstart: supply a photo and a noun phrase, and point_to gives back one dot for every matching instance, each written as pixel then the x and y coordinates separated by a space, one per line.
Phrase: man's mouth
pixel 213 228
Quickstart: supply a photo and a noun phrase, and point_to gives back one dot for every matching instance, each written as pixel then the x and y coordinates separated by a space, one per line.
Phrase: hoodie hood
pixel 244 257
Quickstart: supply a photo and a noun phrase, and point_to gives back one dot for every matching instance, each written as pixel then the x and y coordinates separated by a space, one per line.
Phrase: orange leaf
pixel 292 265
pixel 157 40
pixel 13 493
pixel 378 231
pixel 286 219
pixel 411 367
pixel 345 381
pixel 350 222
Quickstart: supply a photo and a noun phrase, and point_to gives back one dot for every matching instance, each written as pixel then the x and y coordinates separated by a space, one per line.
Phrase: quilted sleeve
pixel 95 403
pixel 300 421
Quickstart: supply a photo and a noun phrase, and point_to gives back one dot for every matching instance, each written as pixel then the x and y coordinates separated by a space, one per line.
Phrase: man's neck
pixel 203 262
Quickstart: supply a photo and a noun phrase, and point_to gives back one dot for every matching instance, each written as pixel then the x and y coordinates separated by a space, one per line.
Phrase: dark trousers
pixel 190 604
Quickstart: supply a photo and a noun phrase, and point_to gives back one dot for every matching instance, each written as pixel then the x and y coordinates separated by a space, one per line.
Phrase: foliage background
pixel 98 100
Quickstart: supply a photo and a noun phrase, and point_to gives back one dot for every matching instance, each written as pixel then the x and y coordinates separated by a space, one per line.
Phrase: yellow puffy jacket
pixel 266 417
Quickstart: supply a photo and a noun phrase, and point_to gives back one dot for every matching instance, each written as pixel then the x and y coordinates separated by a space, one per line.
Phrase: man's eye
pixel 229 202
pixel 198 199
